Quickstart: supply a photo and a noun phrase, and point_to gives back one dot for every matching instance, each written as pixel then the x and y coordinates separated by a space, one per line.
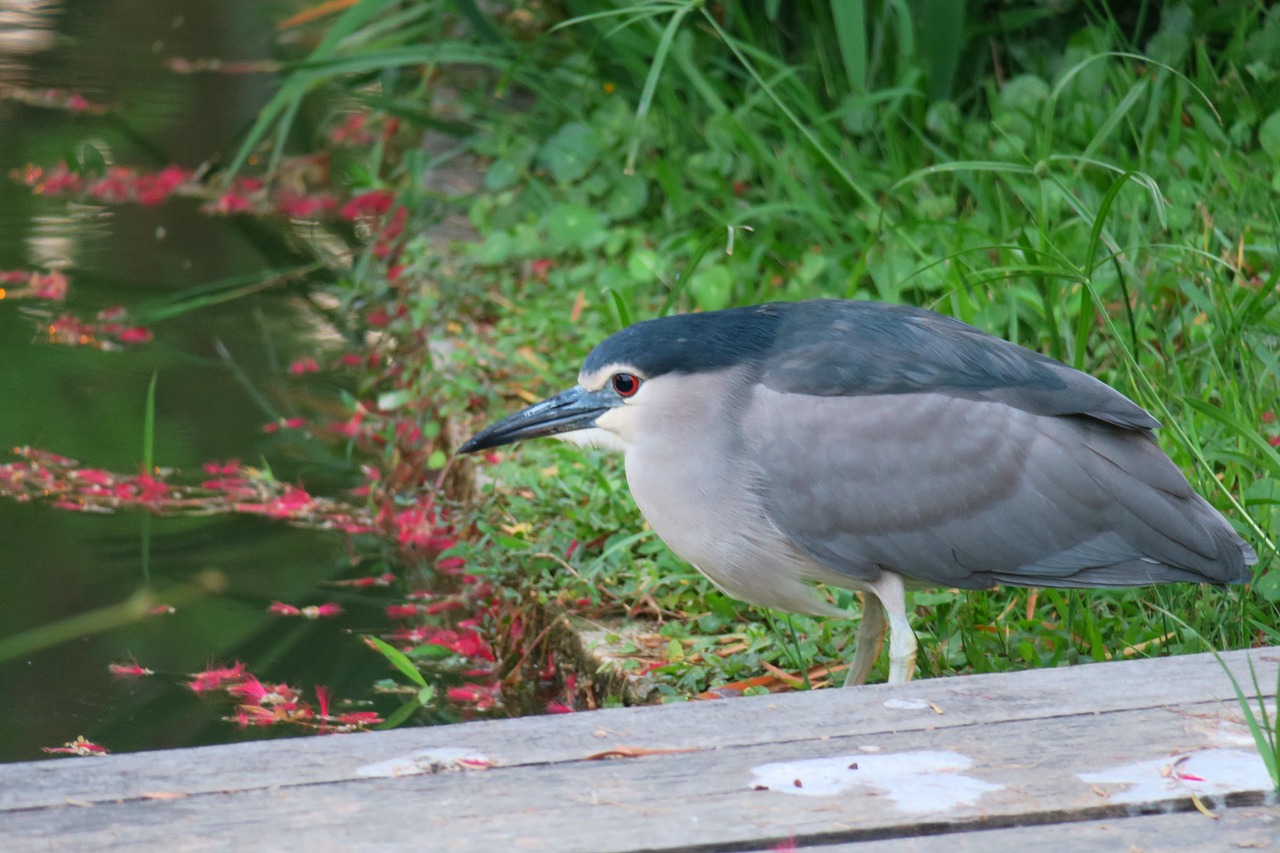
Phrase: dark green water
pixel 89 404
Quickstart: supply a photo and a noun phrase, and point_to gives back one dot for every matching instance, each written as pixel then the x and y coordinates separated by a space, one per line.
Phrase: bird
pixel 880 447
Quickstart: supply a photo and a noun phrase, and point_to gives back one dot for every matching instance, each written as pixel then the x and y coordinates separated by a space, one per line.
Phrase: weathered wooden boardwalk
pixel 1110 756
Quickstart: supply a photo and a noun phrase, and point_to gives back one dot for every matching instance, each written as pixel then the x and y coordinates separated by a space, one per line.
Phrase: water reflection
pixel 88 404
pixel 26 27
pixel 55 238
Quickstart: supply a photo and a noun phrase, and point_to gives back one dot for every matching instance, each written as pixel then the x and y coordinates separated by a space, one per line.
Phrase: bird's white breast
pixel 694 488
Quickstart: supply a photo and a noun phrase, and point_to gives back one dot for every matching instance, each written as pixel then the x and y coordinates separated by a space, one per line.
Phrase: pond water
pixel 89 404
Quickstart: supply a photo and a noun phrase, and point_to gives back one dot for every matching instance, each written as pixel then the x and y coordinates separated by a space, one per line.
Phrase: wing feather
pixel 947 489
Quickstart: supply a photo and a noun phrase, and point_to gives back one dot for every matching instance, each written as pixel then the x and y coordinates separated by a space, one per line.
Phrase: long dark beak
pixel 567 411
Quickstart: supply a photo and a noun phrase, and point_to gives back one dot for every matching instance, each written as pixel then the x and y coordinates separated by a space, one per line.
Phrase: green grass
pixel 1102 192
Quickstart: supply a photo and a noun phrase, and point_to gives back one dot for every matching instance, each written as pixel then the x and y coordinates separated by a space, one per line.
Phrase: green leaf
pixel 628 197
pixel 573 226
pixel 1268 586
pixel 644 266
pixel 1269 135
pixel 400 714
pixel 431 651
pixel 850 19
pixel 501 175
pixel 389 401
pixel 570 153
pixel 399 660
pixel 712 287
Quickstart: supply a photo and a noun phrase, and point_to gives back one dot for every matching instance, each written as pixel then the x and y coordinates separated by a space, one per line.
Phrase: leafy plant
pixel 1098 190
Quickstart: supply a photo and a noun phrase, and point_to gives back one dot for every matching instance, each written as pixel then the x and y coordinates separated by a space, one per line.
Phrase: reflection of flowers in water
pixel 33 284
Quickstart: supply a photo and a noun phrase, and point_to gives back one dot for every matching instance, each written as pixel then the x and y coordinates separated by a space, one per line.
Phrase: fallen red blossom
pixel 212 679
pixel 79 746
pixel 128 670
pixel 359 718
pixel 304 365
pixel 481 697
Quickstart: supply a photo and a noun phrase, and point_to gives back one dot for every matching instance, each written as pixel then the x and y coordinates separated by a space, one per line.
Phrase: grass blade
pixel 651 86
pixel 851 36
pixel 398 659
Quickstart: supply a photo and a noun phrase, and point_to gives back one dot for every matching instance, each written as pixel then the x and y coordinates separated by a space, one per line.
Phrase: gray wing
pixel 968 492
pixel 849 348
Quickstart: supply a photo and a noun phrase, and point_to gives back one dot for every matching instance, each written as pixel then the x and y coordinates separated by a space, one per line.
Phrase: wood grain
pixel 1034 746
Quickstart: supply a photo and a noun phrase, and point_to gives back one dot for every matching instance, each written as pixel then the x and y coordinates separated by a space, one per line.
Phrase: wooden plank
pixel 1241 828
pixel 963 701
pixel 697 800
pixel 1006 750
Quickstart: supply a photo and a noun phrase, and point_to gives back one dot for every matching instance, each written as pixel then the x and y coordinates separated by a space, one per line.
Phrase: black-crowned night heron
pixel 874 446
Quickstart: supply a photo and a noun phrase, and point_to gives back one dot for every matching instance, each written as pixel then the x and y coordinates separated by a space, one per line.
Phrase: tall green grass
pixel 1096 187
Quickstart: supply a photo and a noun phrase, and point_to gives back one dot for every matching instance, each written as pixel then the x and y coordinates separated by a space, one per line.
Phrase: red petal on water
pixel 128 670
pixel 134 335
pixel 251 690
pixel 79 746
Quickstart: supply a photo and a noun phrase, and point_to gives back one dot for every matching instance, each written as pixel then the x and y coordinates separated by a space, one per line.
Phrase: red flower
pixel 371 203
pixel 94 476
pixel 414 527
pixel 304 365
pixel 232 202
pixel 351 427
pixel 150 490
pixel 313 611
pixel 128 670
pixel 212 679
pixel 79 746
pixel 134 335
pixel 292 503
pixel 479 696
pixel 251 690
pixel 255 715
pixel 51 286
pixel 379 580
pixel 297 206
pixel 153 189
pixel 450 565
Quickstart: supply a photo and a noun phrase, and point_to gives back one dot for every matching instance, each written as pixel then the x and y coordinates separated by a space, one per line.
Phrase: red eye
pixel 626 384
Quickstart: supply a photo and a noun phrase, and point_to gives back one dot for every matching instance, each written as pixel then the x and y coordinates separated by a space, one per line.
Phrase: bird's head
pixel 640 367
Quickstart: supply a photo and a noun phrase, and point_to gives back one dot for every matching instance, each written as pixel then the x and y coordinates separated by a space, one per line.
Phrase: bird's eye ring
pixel 625 384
